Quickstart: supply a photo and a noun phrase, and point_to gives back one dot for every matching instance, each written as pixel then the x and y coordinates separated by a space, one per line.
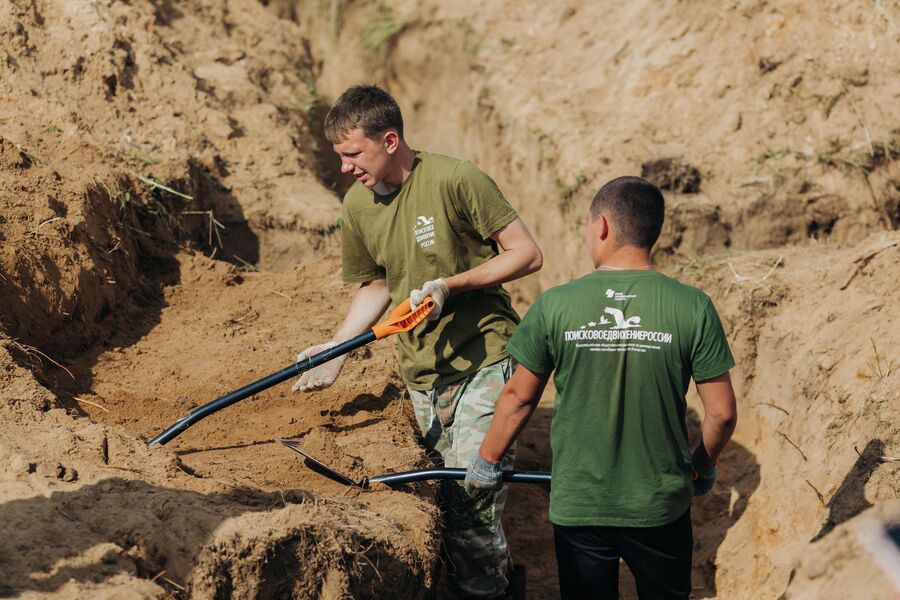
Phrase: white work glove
pixel 438 290
pixel 322 376
pixel 483 477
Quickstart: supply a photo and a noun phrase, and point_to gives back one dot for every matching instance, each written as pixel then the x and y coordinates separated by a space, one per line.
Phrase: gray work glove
pixel 322 376
pixel 438 290
pixel 704 477
pixel 483 477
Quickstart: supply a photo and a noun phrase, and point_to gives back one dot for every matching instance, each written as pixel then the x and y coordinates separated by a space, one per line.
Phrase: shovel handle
pixel 403 318
pixel 392 479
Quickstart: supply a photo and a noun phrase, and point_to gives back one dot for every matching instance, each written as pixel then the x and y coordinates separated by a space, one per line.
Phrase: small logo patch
pixel 618 296
pixel 424 231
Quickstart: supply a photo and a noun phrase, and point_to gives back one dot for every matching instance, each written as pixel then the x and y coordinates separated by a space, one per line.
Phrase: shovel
pixel 403 318
pixel 395 479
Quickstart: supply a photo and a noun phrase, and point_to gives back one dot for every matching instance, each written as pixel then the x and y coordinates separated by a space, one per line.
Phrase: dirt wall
pixel 160 190
pixel 777 152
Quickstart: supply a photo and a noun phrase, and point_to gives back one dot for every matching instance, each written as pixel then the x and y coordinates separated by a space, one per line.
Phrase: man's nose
pixel 346 166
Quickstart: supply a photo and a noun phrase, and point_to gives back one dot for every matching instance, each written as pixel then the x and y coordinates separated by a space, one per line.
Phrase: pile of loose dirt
pixel 87 508
pixel 139 145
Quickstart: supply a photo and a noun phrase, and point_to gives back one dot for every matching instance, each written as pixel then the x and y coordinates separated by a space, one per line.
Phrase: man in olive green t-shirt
pixel 624 343
pixel 419 224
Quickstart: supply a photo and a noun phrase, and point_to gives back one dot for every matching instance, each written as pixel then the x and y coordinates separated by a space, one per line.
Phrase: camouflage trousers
pixel 453 420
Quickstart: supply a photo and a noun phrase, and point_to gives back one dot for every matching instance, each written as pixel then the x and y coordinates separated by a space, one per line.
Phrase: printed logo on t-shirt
pixel 621 321
pixel 619 296
pixel 619 334
pixel 424 231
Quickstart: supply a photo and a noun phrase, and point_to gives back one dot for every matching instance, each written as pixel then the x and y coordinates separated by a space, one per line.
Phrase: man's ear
pixel 391 141
pixel 604 229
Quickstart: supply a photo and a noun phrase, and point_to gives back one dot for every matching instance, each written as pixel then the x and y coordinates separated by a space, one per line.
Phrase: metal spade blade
pixel 320 467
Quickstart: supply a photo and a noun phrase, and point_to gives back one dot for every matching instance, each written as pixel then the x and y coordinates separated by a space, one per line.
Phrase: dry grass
pixel 33 354
pixel 153 183
pixel 214 226
pixel 83 401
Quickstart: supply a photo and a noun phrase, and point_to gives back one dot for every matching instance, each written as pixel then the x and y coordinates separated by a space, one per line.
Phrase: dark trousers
pixel 658 557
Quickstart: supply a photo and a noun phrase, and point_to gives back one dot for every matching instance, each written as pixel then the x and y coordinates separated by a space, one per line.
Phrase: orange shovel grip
pixel 403 318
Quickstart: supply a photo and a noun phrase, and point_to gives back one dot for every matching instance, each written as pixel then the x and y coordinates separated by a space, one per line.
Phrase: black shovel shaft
pixel 540 477
pixel 257 386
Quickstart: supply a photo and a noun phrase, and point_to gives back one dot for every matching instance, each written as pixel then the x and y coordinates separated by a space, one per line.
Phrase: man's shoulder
pixel 564 292
pixel 587 284
pixel 438 158
pixel 357 195
pixel 681 289
pixel 448 166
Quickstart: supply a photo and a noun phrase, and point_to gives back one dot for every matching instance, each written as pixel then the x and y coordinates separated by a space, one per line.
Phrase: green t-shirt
pixel 625 346
pixel 437 224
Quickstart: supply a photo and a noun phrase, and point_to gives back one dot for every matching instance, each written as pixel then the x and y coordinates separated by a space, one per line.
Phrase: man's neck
pixel 626 258
pixel 401 167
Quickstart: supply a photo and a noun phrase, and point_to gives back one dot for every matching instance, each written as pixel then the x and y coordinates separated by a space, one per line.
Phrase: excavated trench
pixel 154 262
pixel 144 327
pixel 807 454
pixel 150 309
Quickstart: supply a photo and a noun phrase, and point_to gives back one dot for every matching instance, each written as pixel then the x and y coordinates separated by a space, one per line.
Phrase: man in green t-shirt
pixel 624 343
pixel 419 224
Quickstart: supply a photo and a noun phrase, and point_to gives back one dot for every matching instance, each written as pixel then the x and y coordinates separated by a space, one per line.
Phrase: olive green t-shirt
pixel 624 346
pixel 437 224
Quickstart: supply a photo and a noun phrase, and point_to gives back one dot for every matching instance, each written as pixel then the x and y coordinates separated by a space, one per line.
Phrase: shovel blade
pixel 318 466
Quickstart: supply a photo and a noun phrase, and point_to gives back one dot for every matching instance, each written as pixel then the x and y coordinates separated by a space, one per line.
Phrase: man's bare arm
pixel 368 304
pixel 720 406
pixel 520 256
pixel 516 404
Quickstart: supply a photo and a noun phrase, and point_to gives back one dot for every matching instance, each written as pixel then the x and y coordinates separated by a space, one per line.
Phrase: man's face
pixel 369 160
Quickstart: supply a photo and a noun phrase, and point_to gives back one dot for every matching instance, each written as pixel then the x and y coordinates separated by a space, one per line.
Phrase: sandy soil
pixel 167 233
pixel 116 296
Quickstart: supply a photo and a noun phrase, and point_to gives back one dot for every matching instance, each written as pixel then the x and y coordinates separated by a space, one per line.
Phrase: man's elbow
pixel 725 419
pixel 517 399
pixel 729 422
pixel 537 260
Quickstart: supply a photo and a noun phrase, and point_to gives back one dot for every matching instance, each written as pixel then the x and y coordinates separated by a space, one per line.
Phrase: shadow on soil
pixel 119 526
pixel 120 294
pixel 849 500
pixel 714 514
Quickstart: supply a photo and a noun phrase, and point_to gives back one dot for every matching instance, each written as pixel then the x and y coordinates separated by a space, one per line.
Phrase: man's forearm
pixel 520 256
pixel 720 406
pixel 367 306
pixel 519 398
pixel 507 266
pixel 715 436
pixel 510 417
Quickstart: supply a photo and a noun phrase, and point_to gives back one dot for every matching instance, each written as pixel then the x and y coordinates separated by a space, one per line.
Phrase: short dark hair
pixel 365 106
pixel 635 208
